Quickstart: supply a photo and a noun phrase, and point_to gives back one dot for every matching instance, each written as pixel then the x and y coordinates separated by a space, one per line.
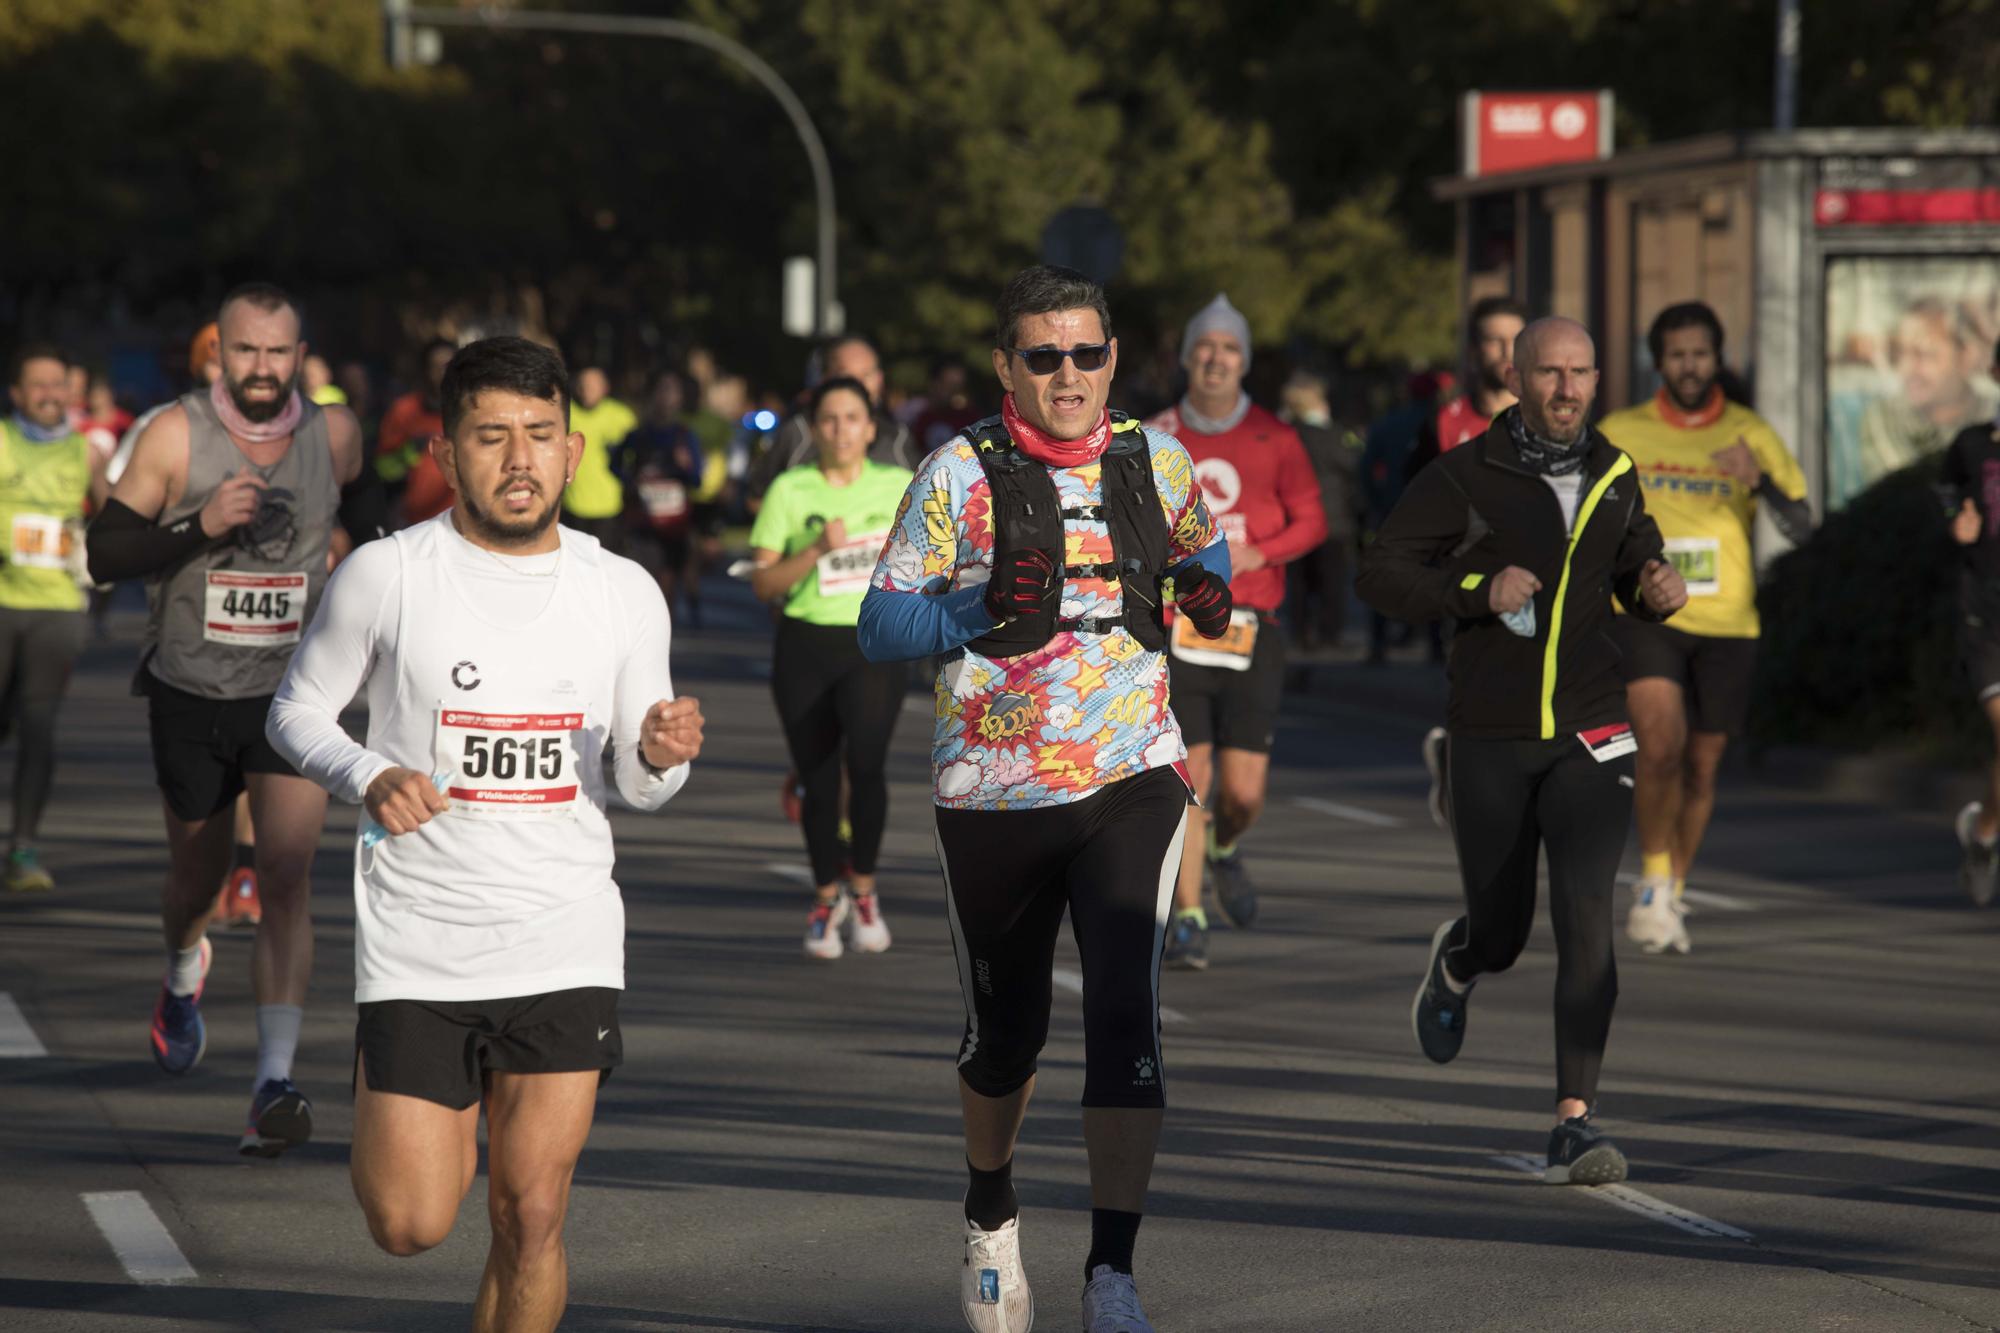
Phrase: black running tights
pixel 1510 800
pixel 832 700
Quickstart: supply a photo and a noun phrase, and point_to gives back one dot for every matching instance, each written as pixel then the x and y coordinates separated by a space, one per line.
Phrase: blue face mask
pixel 1522 622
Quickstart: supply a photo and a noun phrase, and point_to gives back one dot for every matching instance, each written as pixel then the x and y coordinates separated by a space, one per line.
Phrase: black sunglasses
pixel 1048 360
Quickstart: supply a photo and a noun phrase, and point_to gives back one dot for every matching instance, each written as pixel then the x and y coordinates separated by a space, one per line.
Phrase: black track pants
pixel 38 650
pixel 1111 859
pixel 833 701
pixel 1511 799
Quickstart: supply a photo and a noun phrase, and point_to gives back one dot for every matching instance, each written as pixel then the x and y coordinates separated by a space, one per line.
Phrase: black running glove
pixel 1203 597
pixel 1019 584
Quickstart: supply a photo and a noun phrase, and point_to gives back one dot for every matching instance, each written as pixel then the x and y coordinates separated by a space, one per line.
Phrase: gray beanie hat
pixel 1218 316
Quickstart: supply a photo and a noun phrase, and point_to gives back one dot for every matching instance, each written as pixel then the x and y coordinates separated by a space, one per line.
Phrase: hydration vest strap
pixel 1104 569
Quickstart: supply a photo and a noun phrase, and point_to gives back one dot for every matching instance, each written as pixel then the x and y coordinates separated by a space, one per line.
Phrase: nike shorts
pixel 442 1050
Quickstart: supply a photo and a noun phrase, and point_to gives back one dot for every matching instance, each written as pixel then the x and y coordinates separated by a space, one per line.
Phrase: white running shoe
pixel 823 928
pixel 1433 747
pixel 992 1290
pixel 1657 922
pixel 867 931
pixel 1111 1303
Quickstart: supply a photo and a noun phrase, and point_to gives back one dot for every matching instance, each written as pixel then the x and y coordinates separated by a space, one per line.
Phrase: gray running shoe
pixel 1977 869
pixel 1579 1154
pixel 1187 943
pixel 1235 895
pixel 1437 1015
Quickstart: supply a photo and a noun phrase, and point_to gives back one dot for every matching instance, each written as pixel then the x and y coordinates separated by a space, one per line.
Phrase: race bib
pixel 1231 652
pixel 845 569
pixel 1699 560
pixel 254 610
pixel 509 765
pixel 1608 743
pixel 666 500
pixel 41 541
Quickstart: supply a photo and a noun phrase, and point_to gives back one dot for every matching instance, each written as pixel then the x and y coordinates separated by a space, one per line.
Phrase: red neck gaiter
pixel 1045 448
pixel 1707 414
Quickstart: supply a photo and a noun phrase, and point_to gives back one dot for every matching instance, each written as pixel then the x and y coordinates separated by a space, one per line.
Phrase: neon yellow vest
pixel 42 490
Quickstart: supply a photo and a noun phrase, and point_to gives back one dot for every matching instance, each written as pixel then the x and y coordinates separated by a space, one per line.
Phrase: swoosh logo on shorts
pixel 602 1033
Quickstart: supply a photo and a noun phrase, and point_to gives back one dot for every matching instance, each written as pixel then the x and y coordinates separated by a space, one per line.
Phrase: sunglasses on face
pixel 1048 360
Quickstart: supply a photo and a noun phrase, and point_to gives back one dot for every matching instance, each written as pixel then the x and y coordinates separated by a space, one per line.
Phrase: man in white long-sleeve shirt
pixel 501 655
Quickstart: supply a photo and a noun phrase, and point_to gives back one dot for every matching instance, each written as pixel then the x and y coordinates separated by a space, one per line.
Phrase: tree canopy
pixel 625 194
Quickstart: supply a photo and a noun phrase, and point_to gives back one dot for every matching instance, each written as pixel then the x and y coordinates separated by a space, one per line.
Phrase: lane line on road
pixel 1705 897
pixel 1340 810
pixel 1071 980
pixel 17 1039
pixel 138 1237
pixel 1640 1202
pixel 797 874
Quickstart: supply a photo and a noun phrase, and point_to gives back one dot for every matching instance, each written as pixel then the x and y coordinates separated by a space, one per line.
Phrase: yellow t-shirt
pixel 1705 517
pixel 597 492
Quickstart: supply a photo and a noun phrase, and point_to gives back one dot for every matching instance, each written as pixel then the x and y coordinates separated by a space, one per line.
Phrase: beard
pixel 1690 392
pixel 507 529
pixel 255 410
pixel 1548 430
pixel 1493 379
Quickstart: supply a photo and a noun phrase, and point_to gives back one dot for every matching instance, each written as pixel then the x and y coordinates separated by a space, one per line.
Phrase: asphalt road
pixel 1811 1100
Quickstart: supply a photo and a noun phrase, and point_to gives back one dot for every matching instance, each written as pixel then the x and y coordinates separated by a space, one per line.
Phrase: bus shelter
pixel 1856 272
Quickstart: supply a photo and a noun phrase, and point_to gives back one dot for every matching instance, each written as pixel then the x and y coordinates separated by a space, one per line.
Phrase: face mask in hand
pixel 1522 622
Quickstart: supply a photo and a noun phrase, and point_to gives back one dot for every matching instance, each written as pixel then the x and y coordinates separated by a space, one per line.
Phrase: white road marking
pixel 1705 897
pixel 138 1237
pixel 1638 1201
pixel 1343 811
pixel 1073 981
pixel 797 874
pixel 17 1039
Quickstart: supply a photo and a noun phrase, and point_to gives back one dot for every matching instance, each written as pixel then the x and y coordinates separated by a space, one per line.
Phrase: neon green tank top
pixel 798 506
pixel 597 492
pixel 42 490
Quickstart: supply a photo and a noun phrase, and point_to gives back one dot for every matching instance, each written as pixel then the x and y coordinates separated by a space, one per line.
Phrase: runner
pixel 596 497
pixel 1491 327
pixel 814 546
pixel 1540 744
pixel 1033 552
pixel 48 471
pixel 1260 485
pixel 1972 474
pixel 489 935
pixel 849 356
pixel 1706 464
pixel 228 510
pixel 660 466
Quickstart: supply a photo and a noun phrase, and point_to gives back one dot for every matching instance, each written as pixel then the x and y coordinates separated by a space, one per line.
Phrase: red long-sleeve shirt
pixel 1261 489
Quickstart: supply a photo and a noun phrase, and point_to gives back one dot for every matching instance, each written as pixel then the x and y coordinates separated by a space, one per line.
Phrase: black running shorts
pixel 202 748
pixel 442 1050
pixel 1713 672
pixel 1232 710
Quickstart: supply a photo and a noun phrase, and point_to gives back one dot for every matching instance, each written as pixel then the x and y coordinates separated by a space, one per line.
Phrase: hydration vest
pixel 1027 514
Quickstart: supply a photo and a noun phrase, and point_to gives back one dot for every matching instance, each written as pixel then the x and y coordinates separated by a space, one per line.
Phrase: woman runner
pixel 814 546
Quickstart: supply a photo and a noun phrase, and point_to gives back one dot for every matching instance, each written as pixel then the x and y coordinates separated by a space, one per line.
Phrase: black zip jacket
pixel 1471 514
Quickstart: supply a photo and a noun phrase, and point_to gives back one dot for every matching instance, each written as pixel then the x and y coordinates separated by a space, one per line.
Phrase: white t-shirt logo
pixel 1220 482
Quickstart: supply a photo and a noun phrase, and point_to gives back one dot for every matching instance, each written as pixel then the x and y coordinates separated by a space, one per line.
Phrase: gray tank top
pixel 226 620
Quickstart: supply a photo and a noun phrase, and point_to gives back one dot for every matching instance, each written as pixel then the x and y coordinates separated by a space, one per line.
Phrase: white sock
pixel 277 1040
pixel 184 970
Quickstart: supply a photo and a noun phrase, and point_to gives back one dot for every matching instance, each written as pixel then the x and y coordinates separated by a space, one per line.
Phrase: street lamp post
pixel 402 18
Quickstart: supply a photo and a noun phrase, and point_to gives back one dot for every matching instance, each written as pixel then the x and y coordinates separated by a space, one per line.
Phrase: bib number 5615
pixel 509 758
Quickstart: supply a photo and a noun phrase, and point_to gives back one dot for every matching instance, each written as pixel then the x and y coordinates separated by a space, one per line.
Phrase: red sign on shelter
pixel 1515 131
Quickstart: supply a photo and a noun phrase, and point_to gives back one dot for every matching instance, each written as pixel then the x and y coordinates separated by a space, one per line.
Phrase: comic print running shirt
pixel 1083 710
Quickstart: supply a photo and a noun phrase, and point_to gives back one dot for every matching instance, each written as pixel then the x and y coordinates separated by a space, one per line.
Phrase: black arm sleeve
pixel 125 544
pixel 1640 546
pixel 1408 572
pixel 1793 517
